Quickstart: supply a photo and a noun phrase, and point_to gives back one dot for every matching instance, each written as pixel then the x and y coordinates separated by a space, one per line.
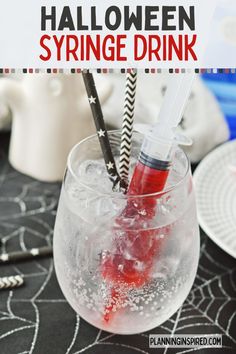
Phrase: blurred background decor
pixel 50 114
pixel 5 117
pixel 223 86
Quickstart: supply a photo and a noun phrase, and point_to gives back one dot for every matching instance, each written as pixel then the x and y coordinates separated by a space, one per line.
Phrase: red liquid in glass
pixel 141 245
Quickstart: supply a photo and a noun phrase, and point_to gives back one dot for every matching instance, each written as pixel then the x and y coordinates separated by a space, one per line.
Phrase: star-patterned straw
pixel 101 128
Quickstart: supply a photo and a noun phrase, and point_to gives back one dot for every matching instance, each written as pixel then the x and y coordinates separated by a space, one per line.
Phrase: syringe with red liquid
pixel 135 252
pixel 139 245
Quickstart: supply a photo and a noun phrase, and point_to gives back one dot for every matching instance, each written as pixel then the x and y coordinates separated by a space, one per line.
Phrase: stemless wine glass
pixel 121 270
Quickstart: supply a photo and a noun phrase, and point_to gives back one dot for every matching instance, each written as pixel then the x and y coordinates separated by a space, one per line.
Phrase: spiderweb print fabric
pixel 36 318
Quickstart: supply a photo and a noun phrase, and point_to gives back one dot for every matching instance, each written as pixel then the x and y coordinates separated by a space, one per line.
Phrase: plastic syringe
pixel 155 159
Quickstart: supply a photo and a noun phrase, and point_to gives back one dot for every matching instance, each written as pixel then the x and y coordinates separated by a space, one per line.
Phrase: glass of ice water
pixel 120 269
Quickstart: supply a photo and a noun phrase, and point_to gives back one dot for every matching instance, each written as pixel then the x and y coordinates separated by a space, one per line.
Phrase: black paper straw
pixel 101 128
pixel 20 256
pixel 127 126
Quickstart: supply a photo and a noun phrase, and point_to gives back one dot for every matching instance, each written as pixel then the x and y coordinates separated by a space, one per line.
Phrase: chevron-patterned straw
pixel 127 127
pixel 14 281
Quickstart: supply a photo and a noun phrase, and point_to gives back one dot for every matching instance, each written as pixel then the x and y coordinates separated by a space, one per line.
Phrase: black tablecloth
pixel 36 319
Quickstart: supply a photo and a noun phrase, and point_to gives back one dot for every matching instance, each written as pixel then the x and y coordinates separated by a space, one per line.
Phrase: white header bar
pixel 137 34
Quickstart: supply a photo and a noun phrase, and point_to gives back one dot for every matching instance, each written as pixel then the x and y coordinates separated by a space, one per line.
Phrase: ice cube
pixel 93 174
pixel 92 168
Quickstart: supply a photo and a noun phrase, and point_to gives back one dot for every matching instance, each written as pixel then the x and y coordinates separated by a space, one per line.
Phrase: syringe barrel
pixel 157 148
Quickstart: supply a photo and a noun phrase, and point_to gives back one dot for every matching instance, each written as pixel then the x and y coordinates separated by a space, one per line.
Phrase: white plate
pixel 215 187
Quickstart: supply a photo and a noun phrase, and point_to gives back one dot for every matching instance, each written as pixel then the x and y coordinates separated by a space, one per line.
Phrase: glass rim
pixel 117 195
